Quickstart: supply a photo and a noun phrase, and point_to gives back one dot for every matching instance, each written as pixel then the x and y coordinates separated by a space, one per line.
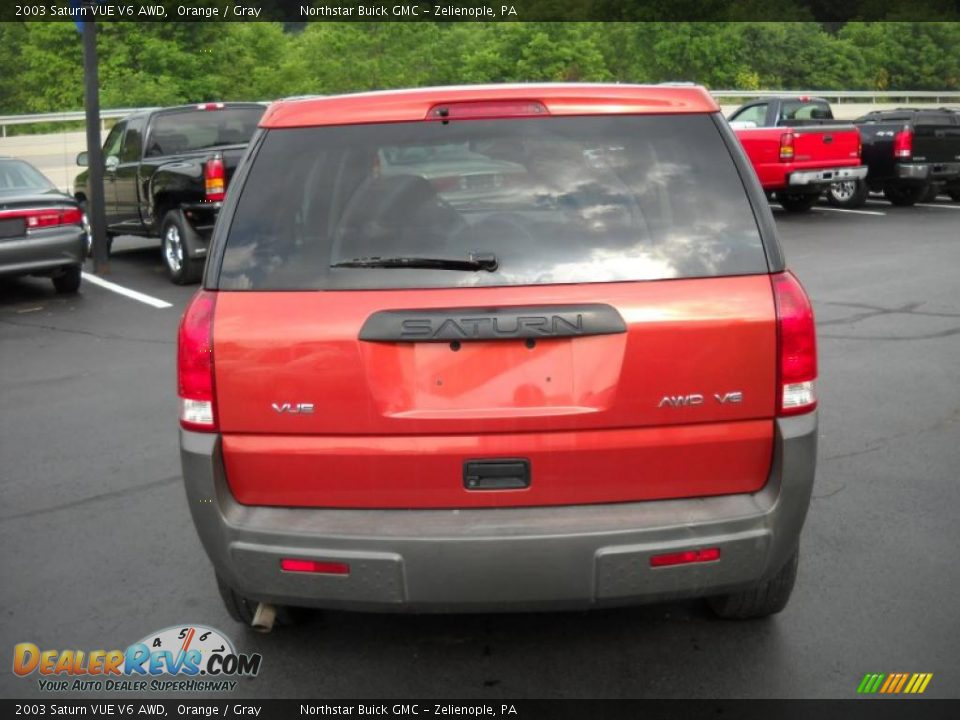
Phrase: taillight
pixel 903 143
pixel 195 364
pixel 859 144
pixel 213 178
pixel 797 347
pixel 786 146
pixel 38 218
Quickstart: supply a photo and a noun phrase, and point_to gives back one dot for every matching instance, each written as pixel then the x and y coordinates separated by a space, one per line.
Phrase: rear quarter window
pixel 556 200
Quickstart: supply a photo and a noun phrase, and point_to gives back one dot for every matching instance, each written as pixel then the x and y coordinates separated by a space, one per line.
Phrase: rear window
pixel 190 130
pixel 17 175
pixel 555 200
pixel 805 110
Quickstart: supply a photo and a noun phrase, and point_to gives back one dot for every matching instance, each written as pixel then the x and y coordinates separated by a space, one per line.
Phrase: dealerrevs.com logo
pixel 183 658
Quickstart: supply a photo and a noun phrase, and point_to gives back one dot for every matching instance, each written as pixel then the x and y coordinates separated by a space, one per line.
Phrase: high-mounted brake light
pixel 797 347
pixel 210 106
pixel 195 364
pixel 487 110
pixel 786 146
pixel 213 178
pixel 44 217
pixel 903 143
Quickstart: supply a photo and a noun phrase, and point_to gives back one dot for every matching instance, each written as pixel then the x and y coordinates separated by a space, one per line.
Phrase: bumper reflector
pixel 314 566
pixel 685 557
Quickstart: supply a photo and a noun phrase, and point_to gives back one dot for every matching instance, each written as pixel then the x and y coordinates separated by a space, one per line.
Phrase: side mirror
pixel 111 162
pixel 82 159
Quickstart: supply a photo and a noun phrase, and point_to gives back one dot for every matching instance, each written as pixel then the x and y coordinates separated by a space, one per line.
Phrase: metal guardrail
pixel 928 96
pixel 893 96
pixel 69 116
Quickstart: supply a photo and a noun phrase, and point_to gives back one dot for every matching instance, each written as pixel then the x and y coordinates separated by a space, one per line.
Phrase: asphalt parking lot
pixel 100 550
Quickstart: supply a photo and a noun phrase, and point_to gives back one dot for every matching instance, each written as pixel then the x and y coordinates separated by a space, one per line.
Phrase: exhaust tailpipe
pixel 264 618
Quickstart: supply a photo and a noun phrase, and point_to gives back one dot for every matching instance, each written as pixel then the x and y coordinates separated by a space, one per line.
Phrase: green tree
pixel 907 56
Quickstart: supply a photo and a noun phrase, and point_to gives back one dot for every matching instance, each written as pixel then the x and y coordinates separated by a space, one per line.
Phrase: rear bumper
pixel 44 252
pixel 826 176
pixel 202 216
pixel 562 557
pixel 928 171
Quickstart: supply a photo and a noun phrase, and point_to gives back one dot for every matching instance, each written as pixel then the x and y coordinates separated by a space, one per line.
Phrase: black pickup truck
pixel 165 174
pixel 911 155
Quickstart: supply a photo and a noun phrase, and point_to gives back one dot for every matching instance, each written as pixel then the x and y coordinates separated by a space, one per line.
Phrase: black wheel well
pixel 162 204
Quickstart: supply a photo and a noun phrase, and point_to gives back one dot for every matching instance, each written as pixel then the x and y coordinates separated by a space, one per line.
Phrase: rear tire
pixel 242 609
pixel 68 281
pixel 904 195
pixel 848 194
pixel 181 268
pixel 797 202
pixel 954 193
pixel 767 598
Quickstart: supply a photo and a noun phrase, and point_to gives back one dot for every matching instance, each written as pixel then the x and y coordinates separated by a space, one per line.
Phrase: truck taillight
pixel 903 143
pixel 195 364
pixel 44 217
pixel 796 347
pixel 213 178
pixel 786 147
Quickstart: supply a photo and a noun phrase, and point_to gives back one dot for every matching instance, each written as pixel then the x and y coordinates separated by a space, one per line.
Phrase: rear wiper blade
pixel 474 261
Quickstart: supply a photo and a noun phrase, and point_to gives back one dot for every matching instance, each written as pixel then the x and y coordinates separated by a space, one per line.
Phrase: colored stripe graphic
pixel 894 683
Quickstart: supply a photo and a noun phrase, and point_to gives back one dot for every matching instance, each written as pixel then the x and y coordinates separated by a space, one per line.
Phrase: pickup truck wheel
pixel 88 232
pixel 796 202
pixel 68 281
pixel 847 194
pixel 954 194
pixel 242 608
pixel 181 268
pixel 767 598
pixel 904 195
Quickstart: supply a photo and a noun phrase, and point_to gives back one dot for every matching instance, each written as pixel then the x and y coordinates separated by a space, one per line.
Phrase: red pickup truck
pixel 797 149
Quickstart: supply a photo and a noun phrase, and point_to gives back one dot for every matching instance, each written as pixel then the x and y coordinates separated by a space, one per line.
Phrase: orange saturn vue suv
pixel 502 347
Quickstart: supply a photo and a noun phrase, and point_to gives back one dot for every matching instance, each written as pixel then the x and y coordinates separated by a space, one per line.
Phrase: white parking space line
pixel 939 207
pixel 127 292
pixel 845 210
